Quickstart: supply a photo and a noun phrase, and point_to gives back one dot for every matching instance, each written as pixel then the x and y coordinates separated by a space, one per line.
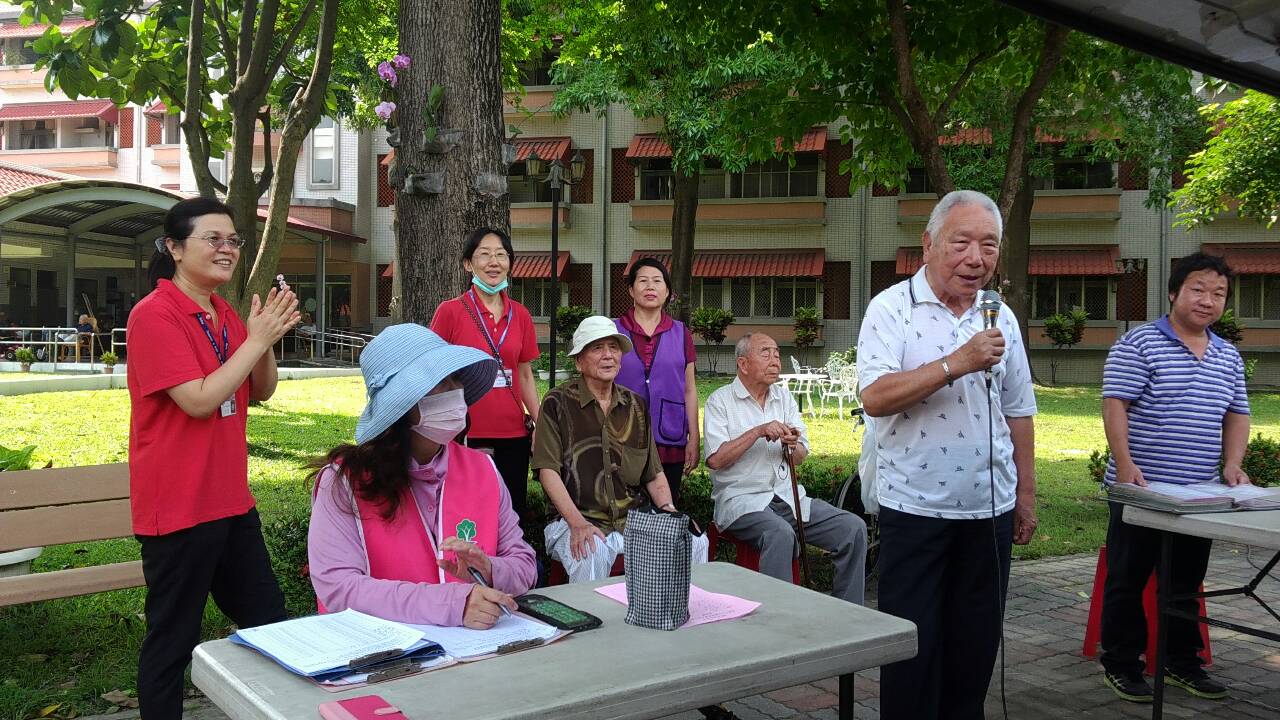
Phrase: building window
pixel 1256 297
pixel 778 178
pixel 33 135
pixel 537 69
pixel 324 159
pixel 535 295
pixel 707 292
pixel 1078 174
pixel 17 51
pixel 1051 295
pixel 762 297
pixel 918 181
pixel 524 188
pixel 172 130
pixel 655 179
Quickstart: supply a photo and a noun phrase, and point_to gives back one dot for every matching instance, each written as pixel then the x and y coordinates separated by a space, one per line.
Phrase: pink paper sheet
pixel 704 607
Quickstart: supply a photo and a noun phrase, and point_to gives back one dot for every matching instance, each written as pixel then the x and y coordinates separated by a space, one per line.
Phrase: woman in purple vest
pixel 660 369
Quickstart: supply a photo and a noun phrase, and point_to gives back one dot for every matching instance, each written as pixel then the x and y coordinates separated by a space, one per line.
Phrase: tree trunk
pixel 455 46
pixel 304 113
pixel 1015 255
pixel 684 223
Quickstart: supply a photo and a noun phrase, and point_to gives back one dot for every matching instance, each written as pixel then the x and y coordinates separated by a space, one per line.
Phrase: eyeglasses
pixel 484 258
pixel 217 243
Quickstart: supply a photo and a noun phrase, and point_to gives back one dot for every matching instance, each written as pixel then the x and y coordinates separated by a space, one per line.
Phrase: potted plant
pixel 25 356
pixel 17 562
pixel 109 360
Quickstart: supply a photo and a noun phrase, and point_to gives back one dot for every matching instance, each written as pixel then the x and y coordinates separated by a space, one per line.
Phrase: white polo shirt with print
pixel 934 458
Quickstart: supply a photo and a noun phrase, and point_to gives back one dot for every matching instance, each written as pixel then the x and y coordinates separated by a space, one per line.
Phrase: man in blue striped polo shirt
pixel 1174 406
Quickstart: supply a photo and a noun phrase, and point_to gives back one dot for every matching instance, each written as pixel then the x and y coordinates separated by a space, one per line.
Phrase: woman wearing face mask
pixel 398 518
pixel 660 369
pixel 486 318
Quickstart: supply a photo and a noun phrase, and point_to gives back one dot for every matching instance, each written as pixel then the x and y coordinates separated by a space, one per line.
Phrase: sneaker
pixel 1129 686
pixel 1197 682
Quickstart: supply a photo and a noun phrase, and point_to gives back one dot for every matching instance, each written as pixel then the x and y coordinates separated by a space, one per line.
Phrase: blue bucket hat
pixel 403 363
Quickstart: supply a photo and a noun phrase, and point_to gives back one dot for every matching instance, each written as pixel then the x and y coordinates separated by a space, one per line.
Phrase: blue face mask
pixel 487 288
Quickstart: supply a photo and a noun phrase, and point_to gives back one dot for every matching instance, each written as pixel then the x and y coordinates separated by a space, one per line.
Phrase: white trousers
pixel 597 565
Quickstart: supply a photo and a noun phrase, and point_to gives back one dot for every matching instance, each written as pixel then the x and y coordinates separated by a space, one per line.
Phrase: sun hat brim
pixel 623 341
pixel 388 403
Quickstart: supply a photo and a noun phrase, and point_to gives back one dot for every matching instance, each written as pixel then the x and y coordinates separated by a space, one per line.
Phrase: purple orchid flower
pixel 384 109
pixel 388 73
pixel 401 62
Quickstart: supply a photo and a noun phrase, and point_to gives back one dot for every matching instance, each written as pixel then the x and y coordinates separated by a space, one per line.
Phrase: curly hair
pixel 378 469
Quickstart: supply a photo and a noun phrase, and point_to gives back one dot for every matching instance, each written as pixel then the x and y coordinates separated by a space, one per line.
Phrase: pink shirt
pixel 339 568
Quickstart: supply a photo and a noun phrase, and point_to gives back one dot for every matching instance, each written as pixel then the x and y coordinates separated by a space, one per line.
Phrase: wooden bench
pixel 65 505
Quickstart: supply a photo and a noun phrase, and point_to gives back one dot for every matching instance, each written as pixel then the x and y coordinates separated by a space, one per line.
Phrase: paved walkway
pixel 1045 675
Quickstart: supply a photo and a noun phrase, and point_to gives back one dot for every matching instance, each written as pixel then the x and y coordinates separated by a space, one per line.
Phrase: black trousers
pixel 675 475
pixel 511 456
pixel 1132 555
pixel 225 558
pixel 943 576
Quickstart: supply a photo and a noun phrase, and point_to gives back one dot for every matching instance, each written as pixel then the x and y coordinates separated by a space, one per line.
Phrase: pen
pixel 475 575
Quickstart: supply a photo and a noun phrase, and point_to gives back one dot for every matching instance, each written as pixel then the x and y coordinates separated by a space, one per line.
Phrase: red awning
pixel 982 136
pixel 814 140
pixel 157 108
pixel 648 146
pixel 652 146
pixel 1062 260
pixel 103 109
pixel 390 271
pixel 389 158
pixel 538 265
pixel 1249 258
pixel 547 148
pixel 807 262
pixel 301 225
pixel 35 30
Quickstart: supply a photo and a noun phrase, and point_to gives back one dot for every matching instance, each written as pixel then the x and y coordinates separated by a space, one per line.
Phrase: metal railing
pixel 122 343
pixel 339 342
pixel 44 341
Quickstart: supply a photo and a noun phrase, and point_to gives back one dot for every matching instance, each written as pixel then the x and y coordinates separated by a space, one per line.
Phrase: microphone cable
pixel 995 539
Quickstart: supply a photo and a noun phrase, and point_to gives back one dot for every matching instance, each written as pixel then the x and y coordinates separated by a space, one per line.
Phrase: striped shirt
pixel 1177 402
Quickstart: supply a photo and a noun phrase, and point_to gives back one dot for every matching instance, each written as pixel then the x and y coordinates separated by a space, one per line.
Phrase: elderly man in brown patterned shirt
pixel 594 454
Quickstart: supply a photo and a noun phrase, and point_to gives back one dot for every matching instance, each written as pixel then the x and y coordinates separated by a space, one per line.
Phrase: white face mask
pixel 442 416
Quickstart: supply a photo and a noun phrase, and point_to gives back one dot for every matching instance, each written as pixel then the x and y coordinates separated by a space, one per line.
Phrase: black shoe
pixel 1129 686
pixel 717 712
pixel 1197 682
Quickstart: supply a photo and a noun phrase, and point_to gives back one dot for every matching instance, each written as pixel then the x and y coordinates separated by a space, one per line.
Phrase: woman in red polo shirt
pixel 194 366
pixel 486 318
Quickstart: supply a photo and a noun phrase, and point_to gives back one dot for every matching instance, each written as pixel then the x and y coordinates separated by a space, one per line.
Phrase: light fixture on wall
pixel 1131 266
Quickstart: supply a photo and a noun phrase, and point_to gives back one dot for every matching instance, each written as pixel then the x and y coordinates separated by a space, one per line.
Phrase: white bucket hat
pixel 597 327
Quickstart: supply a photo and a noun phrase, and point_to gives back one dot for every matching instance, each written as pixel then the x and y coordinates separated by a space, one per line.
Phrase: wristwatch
pixel 946 370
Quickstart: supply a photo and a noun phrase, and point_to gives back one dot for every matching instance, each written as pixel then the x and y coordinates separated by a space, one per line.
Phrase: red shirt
pixel 183 471
pixel 497 414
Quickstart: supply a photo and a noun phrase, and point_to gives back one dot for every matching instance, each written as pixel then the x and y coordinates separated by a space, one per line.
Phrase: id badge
pixel 502 379
pixel 227 408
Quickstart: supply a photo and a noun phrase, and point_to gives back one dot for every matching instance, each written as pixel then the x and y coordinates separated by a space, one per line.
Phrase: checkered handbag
pixel 657 556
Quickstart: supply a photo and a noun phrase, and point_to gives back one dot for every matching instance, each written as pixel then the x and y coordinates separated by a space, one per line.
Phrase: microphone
pixel 989 303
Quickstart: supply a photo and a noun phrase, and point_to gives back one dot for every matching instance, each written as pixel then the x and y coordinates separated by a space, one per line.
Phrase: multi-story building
pixel 773 238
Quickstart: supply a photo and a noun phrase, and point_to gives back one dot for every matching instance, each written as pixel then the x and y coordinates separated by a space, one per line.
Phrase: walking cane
pixel 805 576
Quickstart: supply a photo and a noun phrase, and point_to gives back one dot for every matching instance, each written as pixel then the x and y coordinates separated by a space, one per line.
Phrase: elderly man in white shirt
pixel 746 425
pixel 954 467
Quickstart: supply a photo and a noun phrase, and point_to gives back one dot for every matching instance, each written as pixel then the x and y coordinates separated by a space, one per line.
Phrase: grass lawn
pixel 69 652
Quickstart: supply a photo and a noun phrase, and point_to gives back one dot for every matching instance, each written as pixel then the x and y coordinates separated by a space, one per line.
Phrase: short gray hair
pixel 743 346
pixel 954 199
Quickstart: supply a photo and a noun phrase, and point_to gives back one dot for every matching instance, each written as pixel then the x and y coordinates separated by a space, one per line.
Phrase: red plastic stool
pixel 744 553
pixel 556 574
pixel 1093 630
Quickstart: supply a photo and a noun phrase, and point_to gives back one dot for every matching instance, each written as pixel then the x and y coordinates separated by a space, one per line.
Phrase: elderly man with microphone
pixel 943 371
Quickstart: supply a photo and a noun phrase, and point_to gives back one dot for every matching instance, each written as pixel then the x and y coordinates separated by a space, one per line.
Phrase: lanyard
pixel 437 540
pixel 226 343
pixel 497 347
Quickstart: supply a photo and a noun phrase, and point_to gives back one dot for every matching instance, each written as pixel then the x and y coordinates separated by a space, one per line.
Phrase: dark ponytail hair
pixel 178 224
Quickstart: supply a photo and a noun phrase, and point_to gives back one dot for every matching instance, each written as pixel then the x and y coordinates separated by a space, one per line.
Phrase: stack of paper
pixel 465 643
pixel 323 647
pixel 1195 497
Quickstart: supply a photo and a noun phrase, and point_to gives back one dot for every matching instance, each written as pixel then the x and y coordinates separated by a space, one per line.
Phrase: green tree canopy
pixel 1239 167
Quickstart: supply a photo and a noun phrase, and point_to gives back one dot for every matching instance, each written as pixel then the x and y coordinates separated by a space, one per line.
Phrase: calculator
pixel 556 613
